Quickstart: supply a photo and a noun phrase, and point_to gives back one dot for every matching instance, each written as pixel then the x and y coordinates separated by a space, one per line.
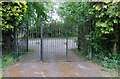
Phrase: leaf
pixel 115 21
pixel 12 14
pixel 102 24
pixel 105 6
pixel 98 8
pixel 111 29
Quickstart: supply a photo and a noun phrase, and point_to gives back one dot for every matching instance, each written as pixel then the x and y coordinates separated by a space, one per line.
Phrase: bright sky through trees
pixel 54 14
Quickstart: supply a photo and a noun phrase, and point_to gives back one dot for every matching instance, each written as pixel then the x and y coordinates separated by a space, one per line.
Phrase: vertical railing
pixel 27 35
pixel 20 44
pixel 15 54
pixel 66 46
pixel 41 32
pixel 67 41
pixel 90 47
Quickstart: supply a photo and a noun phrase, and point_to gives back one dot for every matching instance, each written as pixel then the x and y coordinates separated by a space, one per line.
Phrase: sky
pixel 55 16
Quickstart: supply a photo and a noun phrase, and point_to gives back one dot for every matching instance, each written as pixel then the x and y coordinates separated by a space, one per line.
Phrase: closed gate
pixel 46 42
pixel 52 41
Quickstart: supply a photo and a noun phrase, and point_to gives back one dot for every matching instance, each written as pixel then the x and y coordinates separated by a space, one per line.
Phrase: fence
pixel 20 40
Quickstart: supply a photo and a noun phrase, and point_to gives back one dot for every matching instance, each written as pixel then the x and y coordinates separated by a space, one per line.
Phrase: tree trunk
pixel 7 41
pixel 115 48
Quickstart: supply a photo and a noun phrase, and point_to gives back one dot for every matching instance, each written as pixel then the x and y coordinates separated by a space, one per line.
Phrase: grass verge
pixel 7 59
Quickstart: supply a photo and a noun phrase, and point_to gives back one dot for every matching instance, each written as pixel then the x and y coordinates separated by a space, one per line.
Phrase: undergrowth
pixel 7 59
pixel 110 61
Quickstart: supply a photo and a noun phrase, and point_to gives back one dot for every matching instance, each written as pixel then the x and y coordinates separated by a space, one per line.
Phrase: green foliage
pixel 105 20
pixel 12 13
pixel 102 20
pixel 7 59
pixel 74 12
pixel 54 29
pixel 106 16
pixel 35 10
pixel 110 61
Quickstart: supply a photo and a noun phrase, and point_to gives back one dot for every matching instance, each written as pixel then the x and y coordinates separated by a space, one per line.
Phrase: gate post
pixel 66 46
pixel 15 55
pixel 27 34
pixel 41 33
pixel 67 40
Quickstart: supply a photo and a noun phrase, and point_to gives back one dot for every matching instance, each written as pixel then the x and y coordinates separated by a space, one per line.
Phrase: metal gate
pixel 49 42
pixel 20 45
pixel 45 42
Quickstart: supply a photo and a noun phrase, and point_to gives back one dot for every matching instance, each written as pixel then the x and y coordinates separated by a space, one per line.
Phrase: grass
pixel 7 59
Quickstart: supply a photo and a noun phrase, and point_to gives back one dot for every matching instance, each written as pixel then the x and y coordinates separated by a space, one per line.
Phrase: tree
pixel 11 15
pixel 76 15
pixel 106 20
pixel 34 12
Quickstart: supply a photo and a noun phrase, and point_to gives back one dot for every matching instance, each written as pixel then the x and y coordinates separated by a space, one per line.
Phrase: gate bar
pixel 66 46
pixel 41 32
pixel 27 34
pixel 67 40
pixel 15 55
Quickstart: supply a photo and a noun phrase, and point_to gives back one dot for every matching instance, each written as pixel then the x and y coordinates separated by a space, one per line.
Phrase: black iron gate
pixel 50 42
pixel 46 42
pixel 20 40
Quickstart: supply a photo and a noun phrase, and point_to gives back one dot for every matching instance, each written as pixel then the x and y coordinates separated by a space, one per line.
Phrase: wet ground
pixel 55 64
